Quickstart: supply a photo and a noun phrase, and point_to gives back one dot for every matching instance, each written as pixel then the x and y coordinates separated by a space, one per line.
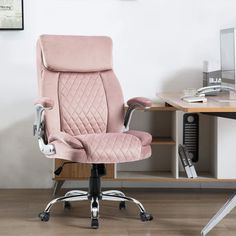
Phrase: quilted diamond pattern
pixel 82 101
pixel 111 147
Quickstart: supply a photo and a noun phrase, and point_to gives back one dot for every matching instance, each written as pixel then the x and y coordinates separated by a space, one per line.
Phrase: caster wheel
pixel 94 223
pixel 146 217
pixel 67 205
pixel 44 216
pixel 122 205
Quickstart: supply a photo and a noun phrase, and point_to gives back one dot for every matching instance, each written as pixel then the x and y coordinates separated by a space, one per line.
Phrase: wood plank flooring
pixel 176 213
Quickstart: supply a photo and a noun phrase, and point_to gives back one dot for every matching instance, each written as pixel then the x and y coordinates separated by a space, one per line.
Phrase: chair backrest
pixel 76 72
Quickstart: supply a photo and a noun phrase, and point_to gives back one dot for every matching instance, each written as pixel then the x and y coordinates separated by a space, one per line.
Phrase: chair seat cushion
pixel 103 147
pixel 144 137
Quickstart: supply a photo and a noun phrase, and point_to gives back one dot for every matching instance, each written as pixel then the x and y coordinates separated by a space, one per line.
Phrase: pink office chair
pixel 80 115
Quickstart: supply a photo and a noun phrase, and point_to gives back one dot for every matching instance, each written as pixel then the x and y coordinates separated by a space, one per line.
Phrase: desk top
pixel 214 103
pixel 157 107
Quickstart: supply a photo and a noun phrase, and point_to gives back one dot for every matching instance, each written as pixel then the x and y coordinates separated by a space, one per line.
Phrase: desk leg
pixel 225 210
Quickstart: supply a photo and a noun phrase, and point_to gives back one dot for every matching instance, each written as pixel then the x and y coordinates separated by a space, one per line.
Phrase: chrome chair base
pixel 225 210
pixel 111 195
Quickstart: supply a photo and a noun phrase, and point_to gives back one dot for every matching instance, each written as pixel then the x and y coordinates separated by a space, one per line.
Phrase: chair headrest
pixel 76 53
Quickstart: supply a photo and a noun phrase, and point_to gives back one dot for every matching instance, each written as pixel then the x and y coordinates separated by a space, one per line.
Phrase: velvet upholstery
pixel 59 53
pixel 83 106
pixel 140 101
pixel 86 122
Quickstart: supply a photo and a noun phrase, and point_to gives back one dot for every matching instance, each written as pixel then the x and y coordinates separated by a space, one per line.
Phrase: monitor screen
pixel 227 53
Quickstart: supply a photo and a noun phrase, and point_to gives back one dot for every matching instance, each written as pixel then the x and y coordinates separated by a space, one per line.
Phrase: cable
pixel 60 168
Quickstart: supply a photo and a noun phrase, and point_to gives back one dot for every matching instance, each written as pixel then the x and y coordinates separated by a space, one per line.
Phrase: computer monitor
pixel 227 54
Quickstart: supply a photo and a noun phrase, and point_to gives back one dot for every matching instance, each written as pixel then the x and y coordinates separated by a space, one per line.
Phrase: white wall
pixel 159 45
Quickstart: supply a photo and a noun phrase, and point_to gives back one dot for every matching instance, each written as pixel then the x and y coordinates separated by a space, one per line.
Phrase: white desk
pixel 214 106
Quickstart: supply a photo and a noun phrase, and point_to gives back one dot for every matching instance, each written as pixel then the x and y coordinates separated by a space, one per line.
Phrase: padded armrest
pixel 133 104
pixel 45 102
pixel 140 102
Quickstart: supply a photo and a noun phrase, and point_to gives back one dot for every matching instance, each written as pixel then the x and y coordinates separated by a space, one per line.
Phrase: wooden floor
pixel 175 213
